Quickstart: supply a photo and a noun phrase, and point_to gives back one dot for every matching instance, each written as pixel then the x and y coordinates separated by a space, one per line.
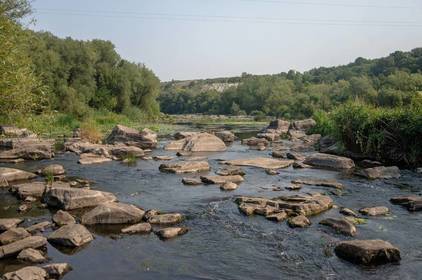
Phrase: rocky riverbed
pixel 286 225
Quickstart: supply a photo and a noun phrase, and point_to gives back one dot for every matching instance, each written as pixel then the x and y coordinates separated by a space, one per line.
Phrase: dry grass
pixel 90 132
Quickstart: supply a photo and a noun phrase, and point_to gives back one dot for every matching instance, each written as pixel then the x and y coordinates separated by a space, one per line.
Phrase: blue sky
pixel 187 39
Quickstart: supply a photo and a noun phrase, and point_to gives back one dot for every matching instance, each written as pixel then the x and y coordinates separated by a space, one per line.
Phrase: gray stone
pixel 62 218
pixel 137 228
pixel 13 235
pixel 329 161
pixel 31 255
pixel 225 135
pixel 90 158
pixel 6 224
pixel 171 232
pixel 230 170
pixel 375 211
pixel 380 172
pixel 26 273
pixel 260 162
pixel 16 247
pixel 38 227
pixel 229 186
pixel 216 179
pixel 348 212
pixel 185 167
pixel 199 142
pixel 12 174
pixel 331 183
pixel 113 213
pixel 165 219
pixel 191 181
pixel 145 139
pixel 34 189
pixel 73 235
pixel 299 221
pixel 57 270
pixel 340 225
pixel 53 170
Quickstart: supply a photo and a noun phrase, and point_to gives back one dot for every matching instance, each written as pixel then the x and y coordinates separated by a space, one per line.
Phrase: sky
pixel 192 39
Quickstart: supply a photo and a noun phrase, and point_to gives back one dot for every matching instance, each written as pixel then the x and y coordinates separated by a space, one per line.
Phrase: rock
pixel 260 162
pixel 366 163
pixel 368 252
pixel 221 179
pixel 38 227
pixel 329 161
pixel 62 218
pixel 319 182
pixel 57 270
pixel 145 139
pixel 225 135
pixel 419 170
pixel 113 213
pixel 185 167
pixel 26 148
pixel 328 144
pixel 191 181
pixel 253 141
pixel 279 154
pixel 300 164
pixel 72 198
pixel 230 170
pixel 73 235
pixel 184 134
pixel 15 132
pixel 30 199
pixel 294 187
pixel 171 232
pixel 271 171
pixel 375 211
pixel 150 213
pixel 162 157
pixel 31 255
pixel 229 186
pixel 411 202
pixel 348 212
pixel 380 172
pixel 305 124
pixel 11 174
pixel 13 235
pixel 53 170
pixel 6 224
pixel 277 217
pixel 296 135
pixel 26 273
pixel 123 151
pixel 138 228
pixel 90 158
pixel 299 221
pixel 199 142
pixel 295 156
pixel 277 127
pixel 340 225
pixel 34 189
pixel 165 219
pixel 17 246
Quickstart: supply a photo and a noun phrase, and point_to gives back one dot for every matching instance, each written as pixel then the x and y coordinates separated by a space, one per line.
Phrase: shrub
pixel 90 132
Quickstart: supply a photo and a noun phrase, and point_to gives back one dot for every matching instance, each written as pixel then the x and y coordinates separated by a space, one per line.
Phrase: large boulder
pixel 122 151
pixel 53 170
pixel 11 174
pixel 340 225
pixel 329 161
pixel 27 148
pixel 185 167
pixel 6 224
pixel 368 252
pixel 74 198
pixel 73 235
pixel 199 142
pixel 225 135
pixel 260 162
pixel 33 189
pixel 15 132
pixel 305 124
pixel 274 130
pixel 14 248
pixel 145 139
pixel 13 235
pixel 26 273
pixel 113 213
pixel 62 218
pixel 380 172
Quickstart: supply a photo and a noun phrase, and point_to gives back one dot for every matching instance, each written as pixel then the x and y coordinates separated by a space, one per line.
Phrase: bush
pixel 324 124
pixel 90 132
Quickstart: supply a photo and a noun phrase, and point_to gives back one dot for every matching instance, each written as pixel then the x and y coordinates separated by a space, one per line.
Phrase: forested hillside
pixel 391 81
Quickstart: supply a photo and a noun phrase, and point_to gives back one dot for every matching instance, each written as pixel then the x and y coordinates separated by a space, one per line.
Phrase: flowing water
pixel 222 243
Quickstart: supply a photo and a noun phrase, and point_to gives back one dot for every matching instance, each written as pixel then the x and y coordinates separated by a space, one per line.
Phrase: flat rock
pixel 319 182
pixel 260 162
pixel 113 213
pixel 165 219
pixel 13 235
pixel 26 273
pixel 15 248
pixel 294 187
pixel 57 270
pixel 277 217
pixel 380 172
pixel 38 227
pixel 340 225
pixel 329 161
pixel 53 170
pixel 191 181
pixel 12 174
pixel 412 202
pixel 145 139
pixel 62 218
pixel 368 252
pixel 74 235
pixel 90 158
pixel 138 228
pixel 185 167
pixel 123 151
pixel 198 142
pixel 6 224
pixel 73 198
pixel 216 179
pixel 299 164
pixel 162 157
pixel 230 170
pixel 31 255
pixel 229 186
pixel 375 211
pixel 299 221
pixel 34 189
pixel 171 232
pixel 225 135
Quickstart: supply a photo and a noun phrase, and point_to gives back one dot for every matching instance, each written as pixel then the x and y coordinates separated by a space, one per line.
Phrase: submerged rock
pixel 62 218
pixel 216 179
pixel 368 252
pixel 171 232
pixel 380 172
pixel 27 273
pixel 52 170
pixel 6 224
pixel 299 221
pixel 73 235
pixel 225 135
pixel 72 198
pixel 31 255
pixel 319 182
pixel 113 213
pixel 90 158
pixel 137 228
pixel 340 225
pixel 11 174
pixel 145 139
pixel 16 247
pixel 185 167
pixel 165 219
pixel 57 270
pixel 13 235
pixel 229 186
pixel 375 211
pixel 198 142
pixel 329 161
pixel 260 162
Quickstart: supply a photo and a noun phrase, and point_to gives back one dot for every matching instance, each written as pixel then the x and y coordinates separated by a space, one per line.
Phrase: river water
pixel 222 243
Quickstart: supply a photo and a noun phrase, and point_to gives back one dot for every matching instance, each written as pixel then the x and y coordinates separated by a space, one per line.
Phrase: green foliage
pixel 324 124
